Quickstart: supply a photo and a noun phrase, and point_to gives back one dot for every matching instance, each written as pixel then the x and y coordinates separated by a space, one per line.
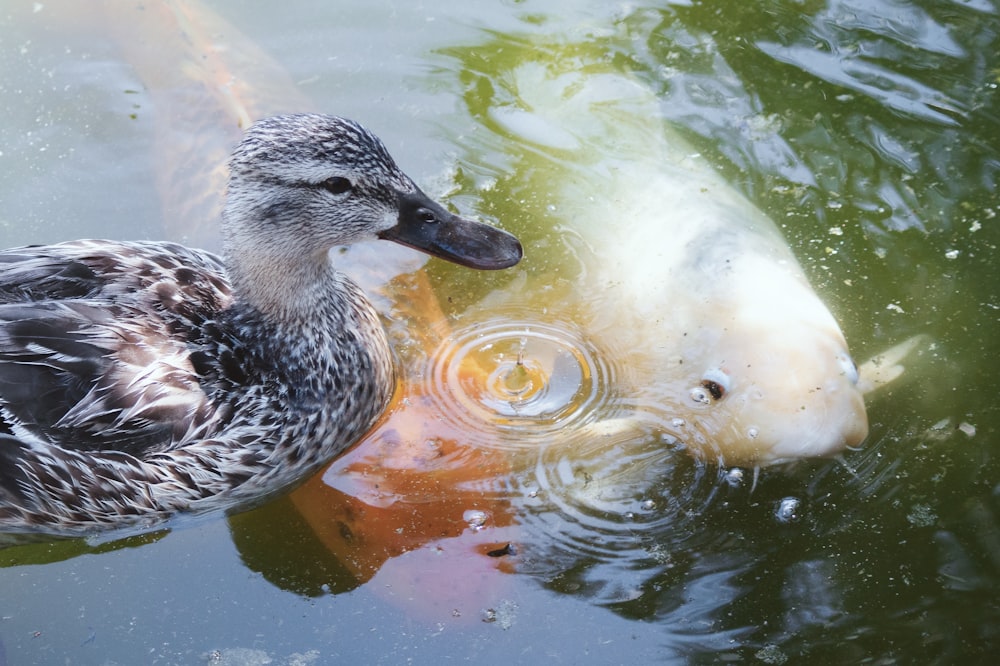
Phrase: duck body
pixel 141 379
pixel 133 385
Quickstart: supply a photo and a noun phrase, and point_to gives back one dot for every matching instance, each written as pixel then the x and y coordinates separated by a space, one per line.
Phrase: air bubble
pixel 788 510
pixel 701 395
pixel 475 519
pixel 734 477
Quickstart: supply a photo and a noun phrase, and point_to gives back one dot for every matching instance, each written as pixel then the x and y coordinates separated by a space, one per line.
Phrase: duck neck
pixel 310 323
pixel 284 289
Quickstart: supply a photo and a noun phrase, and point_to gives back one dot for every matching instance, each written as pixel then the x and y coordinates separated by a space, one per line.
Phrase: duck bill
pixel 426 226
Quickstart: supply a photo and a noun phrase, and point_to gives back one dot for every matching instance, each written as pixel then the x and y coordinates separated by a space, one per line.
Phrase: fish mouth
pixel 818 433
pixel 425 225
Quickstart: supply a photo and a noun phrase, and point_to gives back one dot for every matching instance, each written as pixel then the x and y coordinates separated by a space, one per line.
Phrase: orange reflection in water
pixel 414 507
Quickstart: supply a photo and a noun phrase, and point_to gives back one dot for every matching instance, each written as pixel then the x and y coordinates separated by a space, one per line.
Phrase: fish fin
pixel 886 367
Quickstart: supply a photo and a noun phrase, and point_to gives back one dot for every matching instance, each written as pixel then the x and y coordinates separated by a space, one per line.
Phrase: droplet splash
pixel 506 375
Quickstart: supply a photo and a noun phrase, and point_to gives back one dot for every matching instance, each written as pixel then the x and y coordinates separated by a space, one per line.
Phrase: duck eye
pixel 336 185
pixel 427 216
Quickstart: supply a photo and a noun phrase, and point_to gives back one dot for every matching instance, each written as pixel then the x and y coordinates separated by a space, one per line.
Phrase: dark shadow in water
pixel 276 542
pixel 22 549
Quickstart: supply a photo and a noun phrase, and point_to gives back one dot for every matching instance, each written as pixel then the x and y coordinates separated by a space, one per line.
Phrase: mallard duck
pixel 142 379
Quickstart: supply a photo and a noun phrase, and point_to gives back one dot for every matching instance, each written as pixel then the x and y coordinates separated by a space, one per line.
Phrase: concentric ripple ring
pixel 511 374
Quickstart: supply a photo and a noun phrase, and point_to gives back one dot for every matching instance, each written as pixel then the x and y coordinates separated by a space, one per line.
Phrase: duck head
pixel 303 184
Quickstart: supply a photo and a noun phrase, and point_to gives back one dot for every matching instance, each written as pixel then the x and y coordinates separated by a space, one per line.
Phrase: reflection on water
pixel 867 131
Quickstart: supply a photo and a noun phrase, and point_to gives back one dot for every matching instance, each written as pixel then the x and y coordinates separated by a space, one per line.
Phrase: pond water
pixel 865 129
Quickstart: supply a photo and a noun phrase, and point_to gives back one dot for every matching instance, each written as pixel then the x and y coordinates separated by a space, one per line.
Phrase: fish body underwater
pixel 714 333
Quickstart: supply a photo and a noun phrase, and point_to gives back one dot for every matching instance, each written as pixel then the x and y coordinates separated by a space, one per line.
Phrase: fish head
pixel 770 378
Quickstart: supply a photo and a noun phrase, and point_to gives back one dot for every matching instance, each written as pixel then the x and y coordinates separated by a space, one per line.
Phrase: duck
pixel 143 379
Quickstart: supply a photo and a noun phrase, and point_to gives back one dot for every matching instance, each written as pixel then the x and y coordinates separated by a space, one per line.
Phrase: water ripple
pixel 514 382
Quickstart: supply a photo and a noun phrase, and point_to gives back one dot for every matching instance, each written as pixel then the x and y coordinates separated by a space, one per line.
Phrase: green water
pixel 867 130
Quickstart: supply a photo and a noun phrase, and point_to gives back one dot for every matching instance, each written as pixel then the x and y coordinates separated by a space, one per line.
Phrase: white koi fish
pixel 689 289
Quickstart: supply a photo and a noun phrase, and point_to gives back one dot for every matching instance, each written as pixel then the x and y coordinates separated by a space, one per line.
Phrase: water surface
pixel 867 130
